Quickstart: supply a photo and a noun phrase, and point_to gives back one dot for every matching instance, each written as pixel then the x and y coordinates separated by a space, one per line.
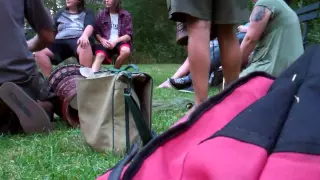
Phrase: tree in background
pixel 154 34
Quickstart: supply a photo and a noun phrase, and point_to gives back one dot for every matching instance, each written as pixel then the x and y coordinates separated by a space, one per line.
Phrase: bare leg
pixel 97 62
pixel 183 70
pixel 43 60
pixel 199 56
pixel 230 52
pixel 85 56
pixel 123 56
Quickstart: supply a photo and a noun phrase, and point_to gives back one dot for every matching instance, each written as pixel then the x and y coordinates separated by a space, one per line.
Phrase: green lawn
pixel 64 155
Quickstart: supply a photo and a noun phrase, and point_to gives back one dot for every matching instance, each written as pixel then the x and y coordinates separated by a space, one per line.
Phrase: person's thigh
pixel 72 48
pixel 228 12
pixel 54 51
pixel 179 10
pixel 100 49
pixel 61 51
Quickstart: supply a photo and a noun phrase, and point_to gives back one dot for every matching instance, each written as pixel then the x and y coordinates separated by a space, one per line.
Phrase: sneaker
pixel 180 83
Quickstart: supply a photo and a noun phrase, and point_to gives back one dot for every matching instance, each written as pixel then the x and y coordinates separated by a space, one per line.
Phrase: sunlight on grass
pixel 63 154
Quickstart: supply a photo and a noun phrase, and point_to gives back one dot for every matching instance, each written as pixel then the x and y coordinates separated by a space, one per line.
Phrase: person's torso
pixel 114 32
pixel 106 24
pixel 16 61
pixel 281 43
pixel 70 25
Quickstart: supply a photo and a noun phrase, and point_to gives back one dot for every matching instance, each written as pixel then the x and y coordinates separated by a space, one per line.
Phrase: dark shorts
pixel 216 11
pixel 63 49
pixel 99 48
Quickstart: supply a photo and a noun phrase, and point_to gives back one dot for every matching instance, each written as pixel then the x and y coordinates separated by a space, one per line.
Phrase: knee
pixel 41 56
pixel 125 51
pixel 87 50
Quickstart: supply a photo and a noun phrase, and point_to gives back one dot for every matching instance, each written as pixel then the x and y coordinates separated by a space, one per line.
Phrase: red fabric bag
pixel 165 155
pixel 258 128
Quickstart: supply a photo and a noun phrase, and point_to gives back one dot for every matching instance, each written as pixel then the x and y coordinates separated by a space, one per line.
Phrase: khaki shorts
pixel 217 11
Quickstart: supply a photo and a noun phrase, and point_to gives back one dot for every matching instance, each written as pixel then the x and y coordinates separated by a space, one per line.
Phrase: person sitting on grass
pixel 181 80
pixel 273 37
pixel 114 32
pixel 74 25
pixel 24 95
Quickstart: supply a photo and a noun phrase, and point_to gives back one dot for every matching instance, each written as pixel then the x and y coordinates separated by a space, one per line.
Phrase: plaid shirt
pixel 103 24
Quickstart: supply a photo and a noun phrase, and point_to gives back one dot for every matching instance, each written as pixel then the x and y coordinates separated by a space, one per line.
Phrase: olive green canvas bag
pixel 115 108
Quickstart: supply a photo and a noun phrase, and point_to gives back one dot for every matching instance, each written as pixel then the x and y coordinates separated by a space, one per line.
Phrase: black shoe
pixel 180 83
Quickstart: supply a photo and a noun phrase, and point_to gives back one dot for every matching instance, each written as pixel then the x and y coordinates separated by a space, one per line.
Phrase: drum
pixel 62 82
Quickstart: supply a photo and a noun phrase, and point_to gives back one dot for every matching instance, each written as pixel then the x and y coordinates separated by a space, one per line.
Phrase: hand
pixel 112 44
pixel 104 43
pixel 83 41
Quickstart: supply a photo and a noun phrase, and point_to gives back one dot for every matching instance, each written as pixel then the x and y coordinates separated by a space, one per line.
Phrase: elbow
pixel 129 38
pixel 50 39
pixel 89 29
pixel 251 39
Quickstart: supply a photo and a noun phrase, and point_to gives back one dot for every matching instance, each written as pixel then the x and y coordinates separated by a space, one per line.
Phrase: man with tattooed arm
pixel 274 37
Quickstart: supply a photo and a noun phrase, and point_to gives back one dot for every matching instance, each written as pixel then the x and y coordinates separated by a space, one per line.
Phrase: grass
pixel 63 153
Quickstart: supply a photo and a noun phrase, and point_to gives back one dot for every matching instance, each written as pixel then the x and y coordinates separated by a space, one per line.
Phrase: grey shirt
pixel 16 61
pixel 70 25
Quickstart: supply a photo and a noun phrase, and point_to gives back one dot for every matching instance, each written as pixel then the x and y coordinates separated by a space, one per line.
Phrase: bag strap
pixel 117 170
pixel 144 132
pixel 131 66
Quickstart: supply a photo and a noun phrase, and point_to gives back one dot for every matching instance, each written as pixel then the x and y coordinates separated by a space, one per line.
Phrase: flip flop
pixel 32 116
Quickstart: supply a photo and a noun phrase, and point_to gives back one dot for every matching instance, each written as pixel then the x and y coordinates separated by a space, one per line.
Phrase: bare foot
pixel 165 84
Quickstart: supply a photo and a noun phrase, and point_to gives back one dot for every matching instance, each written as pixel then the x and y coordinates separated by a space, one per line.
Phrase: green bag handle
pixel 131 66
pixel 124 69
pixel 143 129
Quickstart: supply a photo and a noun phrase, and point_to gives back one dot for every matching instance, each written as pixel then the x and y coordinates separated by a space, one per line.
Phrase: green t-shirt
pixel 280 44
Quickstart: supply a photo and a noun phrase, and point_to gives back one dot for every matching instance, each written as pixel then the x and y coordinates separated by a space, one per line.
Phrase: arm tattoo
pixel 258 14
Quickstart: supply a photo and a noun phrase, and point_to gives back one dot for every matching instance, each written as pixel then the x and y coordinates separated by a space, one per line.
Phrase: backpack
pixel 258 128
